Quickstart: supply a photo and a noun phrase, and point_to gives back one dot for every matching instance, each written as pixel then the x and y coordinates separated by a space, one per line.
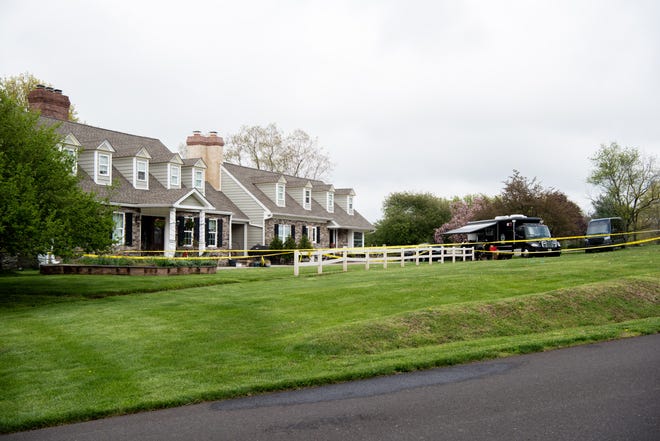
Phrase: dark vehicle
pixel 605 234
pixel 504 235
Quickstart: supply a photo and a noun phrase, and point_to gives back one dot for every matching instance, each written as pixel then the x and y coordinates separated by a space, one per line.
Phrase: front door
pixel 153 233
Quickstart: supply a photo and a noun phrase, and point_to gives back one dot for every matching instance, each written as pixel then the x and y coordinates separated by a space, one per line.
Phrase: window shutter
pixel 277 230
pixel 206 231
pixel 318 234
pixel 304 231
pixel 180 221
pixel 128 229
pixel 219 232
pixel 196 229
pixel 293 231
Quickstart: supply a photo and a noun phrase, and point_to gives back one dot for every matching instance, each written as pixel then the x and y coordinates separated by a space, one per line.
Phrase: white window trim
pixel 284 232
pixel 141 163
pixel 119 231
pixel 107 164
pixel 175 168
pixel 349 205
pixel 330 202
pixel 188 233
pixel 312 234
pixel 307 199
pixel 199 186
pixel 280 194
pixel 361 240
pixel 213 243
pixel 72 152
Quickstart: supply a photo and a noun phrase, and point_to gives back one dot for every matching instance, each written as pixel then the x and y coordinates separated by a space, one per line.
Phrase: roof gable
pixel 105 146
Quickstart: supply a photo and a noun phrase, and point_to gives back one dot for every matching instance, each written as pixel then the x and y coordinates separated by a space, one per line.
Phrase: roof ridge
pixel 103 128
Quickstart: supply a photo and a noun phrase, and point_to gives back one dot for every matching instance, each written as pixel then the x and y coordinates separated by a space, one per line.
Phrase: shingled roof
pixel 127 145
pixel 250 177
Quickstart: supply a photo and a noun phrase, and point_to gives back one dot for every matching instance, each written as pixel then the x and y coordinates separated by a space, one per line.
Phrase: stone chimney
pixel 209 148
pixel 50 102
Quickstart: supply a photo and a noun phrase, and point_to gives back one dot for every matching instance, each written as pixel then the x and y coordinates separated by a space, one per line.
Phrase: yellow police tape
pixel 190 254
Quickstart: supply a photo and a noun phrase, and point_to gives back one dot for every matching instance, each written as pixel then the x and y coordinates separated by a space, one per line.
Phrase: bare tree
pixel 266 148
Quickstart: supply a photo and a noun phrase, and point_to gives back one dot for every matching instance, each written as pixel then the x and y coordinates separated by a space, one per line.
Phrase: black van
pixel 604 234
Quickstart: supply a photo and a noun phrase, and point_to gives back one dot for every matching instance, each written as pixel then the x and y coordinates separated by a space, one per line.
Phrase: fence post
pixel 319 259
pixel 430 255
pixel 366 260
pixel 296 268
pixel 345 257
pixel 385 258
pixel 417 256
pixel 403 258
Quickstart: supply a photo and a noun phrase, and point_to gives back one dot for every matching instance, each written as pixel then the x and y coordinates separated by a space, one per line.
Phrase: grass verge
pixel 72 349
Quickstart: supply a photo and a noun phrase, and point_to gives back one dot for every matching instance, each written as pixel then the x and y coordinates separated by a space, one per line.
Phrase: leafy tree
pixel 304 243
pixel 18 87
pixel 289 244
pixel 276 244
pixel 628 182
pixel 42 207
pixel 462 211
pixel 409 218
pixel 267 148
pixel 521 195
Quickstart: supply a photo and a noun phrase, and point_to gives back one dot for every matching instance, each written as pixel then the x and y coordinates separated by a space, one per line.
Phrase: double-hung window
pixel 284 232
pixel 175 175
pixel 358 239
pixel 350 205
pixel 104 164
pixel 188 231
pixel 331 202
pixel 141 170
pixel 279 193
pixel 307 199
pixel 313 233
pixel 199 179
pixel 72 153
pixel 212 233
pixel 119 228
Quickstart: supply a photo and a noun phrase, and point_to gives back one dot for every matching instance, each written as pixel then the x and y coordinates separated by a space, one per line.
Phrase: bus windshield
pixel 598 227
pixel 536 231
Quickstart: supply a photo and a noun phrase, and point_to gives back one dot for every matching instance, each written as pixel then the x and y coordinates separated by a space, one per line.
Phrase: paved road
pixel 605 391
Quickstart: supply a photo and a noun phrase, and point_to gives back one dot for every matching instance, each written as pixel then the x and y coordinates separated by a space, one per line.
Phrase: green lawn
pixel 80 347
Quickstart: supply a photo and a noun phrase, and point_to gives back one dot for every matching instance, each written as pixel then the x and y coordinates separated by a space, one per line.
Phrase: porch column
pixel 202 232
pixel 170 234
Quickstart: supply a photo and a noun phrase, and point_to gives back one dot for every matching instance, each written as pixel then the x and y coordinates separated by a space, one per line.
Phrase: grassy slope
pixel 68 352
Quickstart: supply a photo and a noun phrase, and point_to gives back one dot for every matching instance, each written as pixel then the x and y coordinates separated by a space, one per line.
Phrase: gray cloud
pixel 445 97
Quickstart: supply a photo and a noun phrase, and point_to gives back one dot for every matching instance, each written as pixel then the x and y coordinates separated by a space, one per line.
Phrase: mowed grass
pixel 81 347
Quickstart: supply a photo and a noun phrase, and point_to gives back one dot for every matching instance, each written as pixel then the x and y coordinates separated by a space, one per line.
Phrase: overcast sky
pixel 446 97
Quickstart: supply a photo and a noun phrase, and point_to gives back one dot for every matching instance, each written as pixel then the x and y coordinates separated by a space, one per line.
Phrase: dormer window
pixel 349 205
pixel 141 167
pixel 307 199
pixel 279 194
pixel 199 179
pixel 104 165
pixel 72 153
pixel 331 202
pixel 175 175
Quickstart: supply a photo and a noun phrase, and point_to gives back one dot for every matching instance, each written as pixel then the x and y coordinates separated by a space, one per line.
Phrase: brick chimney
pixel 50 102
pixel 209 148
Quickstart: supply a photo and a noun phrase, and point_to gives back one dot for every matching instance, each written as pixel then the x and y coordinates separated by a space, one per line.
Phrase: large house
pixel 165 203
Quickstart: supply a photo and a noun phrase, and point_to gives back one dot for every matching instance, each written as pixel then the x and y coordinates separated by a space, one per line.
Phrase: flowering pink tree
pixel 462 212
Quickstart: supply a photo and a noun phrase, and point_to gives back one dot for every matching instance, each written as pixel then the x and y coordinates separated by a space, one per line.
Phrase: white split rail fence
pixel 378 256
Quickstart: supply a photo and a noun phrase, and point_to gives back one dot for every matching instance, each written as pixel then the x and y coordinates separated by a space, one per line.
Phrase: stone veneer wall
pixel 324 240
